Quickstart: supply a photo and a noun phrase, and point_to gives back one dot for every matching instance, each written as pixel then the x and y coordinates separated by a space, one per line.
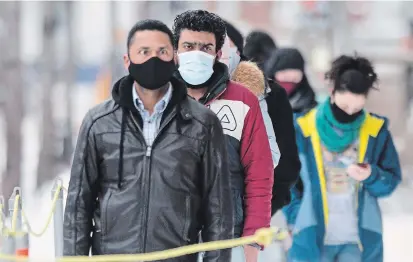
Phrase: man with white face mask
pixel 230 55
pixel 199 37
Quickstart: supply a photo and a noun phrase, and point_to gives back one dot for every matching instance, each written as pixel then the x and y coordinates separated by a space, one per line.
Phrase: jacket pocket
pixel 371 218
pixel 105 213
pixel 185 231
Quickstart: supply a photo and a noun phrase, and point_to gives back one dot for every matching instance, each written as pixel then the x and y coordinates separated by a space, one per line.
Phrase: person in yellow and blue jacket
pixel 348 161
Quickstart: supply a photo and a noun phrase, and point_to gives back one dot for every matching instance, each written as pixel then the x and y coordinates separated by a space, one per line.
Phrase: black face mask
pixel 342 116
pixel 152 74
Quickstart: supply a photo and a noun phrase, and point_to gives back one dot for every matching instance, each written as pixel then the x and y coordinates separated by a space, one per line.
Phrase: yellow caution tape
pixel 15 233
pixel 263 237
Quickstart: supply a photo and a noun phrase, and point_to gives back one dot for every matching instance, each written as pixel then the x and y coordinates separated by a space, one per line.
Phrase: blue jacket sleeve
pixel 291 210
pixel 386 174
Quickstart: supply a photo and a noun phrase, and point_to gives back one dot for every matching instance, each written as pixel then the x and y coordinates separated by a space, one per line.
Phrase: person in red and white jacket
pixel 199 36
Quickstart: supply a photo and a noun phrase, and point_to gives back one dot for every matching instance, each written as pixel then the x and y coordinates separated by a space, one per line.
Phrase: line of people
pixel 199 143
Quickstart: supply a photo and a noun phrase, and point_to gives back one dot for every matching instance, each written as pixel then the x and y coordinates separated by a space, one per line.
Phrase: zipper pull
pixel 148 151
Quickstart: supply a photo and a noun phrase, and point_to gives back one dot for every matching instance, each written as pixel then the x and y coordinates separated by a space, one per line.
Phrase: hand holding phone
pixel 359 171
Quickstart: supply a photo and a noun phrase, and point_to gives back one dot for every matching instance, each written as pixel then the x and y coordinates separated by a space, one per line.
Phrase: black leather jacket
pixel 148 198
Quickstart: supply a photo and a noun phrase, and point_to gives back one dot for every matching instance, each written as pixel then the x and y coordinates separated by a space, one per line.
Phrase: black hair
pixel 200 21
pixel 352 73
pixel 151 25
pixel 235 35
pixel 258 46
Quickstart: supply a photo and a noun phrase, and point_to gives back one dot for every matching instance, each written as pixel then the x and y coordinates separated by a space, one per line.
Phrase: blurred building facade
pixel 320 29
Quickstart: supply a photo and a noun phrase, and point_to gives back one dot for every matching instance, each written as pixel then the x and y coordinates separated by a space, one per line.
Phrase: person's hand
pixel 359 173
pixel 288 241
pixel 251 253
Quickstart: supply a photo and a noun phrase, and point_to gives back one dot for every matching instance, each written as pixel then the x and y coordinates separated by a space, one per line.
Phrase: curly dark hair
pixel 200 21
pixel 352 73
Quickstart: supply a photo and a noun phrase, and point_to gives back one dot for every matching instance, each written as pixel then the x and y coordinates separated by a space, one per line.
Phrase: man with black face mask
pixel 149 168
pixel 199 37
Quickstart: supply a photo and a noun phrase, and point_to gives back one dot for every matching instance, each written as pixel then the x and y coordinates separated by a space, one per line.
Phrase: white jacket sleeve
pixel 275 151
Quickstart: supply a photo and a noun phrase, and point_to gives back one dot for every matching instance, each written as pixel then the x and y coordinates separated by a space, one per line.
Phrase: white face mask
pixel 196 67
pixel 234 60
pixel 230 56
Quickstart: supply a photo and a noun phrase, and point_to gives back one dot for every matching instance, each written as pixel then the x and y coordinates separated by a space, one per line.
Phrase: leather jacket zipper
pixel 147 164
pixel 148 151
pixel 135 123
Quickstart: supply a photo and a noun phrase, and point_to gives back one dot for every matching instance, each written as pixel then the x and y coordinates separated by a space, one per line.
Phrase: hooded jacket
pixel 302 99
pixel 148 198
pixel 277 110
pixel 249 154
pixel 249 75
pixel 308 212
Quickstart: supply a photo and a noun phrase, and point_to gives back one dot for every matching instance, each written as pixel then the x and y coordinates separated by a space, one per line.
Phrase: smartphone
pixel 363 165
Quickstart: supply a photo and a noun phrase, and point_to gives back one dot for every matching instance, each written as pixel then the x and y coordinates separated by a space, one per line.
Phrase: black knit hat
pixel 282 59
pixel 235 36
pixel 258 47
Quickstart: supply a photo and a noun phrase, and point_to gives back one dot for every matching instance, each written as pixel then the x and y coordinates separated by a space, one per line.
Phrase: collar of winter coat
pixel 250 76
pixel 303 99
pixel 217 84
pixel 122 93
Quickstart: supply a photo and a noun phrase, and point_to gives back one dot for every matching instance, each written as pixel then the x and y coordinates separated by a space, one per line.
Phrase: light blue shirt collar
pixel 160 106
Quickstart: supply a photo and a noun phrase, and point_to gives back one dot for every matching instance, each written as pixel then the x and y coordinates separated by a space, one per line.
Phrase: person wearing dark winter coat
pixel 149 170
pixel 287 67
pixel 280 112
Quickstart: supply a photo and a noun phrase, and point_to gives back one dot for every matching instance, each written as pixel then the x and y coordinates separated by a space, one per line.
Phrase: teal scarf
pixel 336 136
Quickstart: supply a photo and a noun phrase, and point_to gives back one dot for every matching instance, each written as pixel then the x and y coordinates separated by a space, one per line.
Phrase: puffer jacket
pixel 279 124
pixel 249 153
pixel 249 75
pixel 148 198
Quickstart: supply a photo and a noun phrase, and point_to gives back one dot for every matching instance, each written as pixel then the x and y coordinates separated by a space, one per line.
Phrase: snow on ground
pixel 397 210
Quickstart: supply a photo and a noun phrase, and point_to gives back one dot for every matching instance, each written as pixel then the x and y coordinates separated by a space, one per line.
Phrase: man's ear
pixel 219 54
pixel 126 61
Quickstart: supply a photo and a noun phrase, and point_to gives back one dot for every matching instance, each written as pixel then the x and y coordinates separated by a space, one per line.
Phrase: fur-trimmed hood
pixel 249 75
